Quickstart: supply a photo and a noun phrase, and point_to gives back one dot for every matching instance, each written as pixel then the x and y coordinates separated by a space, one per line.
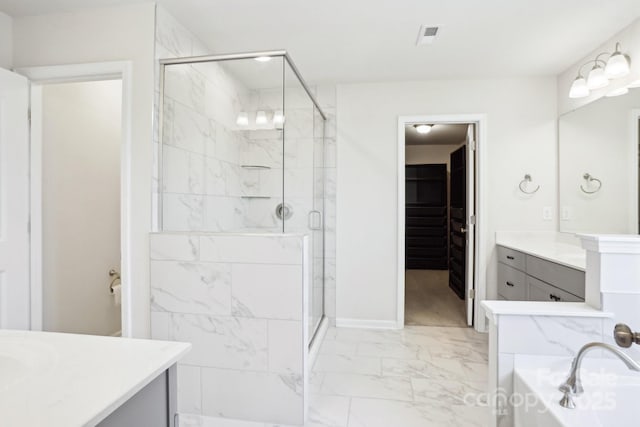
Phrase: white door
pixel 14 201
pixel 471 220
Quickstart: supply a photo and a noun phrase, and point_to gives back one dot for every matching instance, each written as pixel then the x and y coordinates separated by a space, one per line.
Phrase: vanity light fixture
pixel 616 66
pixel 261 118
pixel 242 119
pixel 617 92
pixel 263 58
pixel 422 128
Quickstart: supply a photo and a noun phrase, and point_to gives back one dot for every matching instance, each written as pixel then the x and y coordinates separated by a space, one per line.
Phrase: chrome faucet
pixel 573 386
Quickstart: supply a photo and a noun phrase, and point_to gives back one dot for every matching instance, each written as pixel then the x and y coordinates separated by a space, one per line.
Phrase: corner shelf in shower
pixel 256 167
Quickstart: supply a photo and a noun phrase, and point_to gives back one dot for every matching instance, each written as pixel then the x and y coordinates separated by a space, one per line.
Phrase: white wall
pixel 81 137
pixel 521 138
pixel 6 41
pixel 425 154
pixel 114 34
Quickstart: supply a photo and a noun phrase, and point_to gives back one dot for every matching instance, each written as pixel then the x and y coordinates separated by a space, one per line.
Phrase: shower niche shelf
pixel 255 167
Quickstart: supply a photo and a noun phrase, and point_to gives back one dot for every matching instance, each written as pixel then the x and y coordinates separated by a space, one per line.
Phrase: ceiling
pixel 441 134
pixel 334 41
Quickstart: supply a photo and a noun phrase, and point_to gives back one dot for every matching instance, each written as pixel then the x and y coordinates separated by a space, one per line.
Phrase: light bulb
pixel 242 119
pixel 597 79
pixel 579 88
pixel 261 118
pixel 617 66
pixel 278 118
pixel 618 92
pixel 422 129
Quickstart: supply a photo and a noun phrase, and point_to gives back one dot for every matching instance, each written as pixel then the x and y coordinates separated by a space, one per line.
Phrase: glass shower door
pixel 304 185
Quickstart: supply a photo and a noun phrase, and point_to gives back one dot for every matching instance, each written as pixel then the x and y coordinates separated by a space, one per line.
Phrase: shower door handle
pixel 315 220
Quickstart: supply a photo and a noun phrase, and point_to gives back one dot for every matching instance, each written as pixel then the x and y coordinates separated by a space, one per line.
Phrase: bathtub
pixel 611 393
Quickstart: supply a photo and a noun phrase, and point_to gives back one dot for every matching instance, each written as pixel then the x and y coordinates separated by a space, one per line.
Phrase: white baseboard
pixel 367 324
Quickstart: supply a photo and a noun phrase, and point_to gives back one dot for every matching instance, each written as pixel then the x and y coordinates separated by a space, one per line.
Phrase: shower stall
pixel 237 267
pixel 243 152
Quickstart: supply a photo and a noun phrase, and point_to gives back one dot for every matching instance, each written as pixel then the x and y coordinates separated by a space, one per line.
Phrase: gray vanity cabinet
pixel 523 277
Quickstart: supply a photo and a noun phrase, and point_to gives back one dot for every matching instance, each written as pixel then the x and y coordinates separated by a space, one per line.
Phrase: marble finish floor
pixel 416 377
pixel 430 302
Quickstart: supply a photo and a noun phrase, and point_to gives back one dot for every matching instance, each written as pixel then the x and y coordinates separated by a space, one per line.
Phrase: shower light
pixel 422 129
pixel 278 118
pixel 242 119
pixel 261 118
pixel 618 92
pixel 263 58
pixel 579 88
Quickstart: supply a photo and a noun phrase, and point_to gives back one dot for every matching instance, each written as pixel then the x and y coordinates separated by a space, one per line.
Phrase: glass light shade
pixel 242 119
pixel 597 79
pixel 261 118
pixel 262 58
pixel 618 92
pixel 278 118
pixel 579 88
pixel 423 129
pixel 617 66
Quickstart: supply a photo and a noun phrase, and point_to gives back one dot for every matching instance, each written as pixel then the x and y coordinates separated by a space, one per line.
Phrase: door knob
pixel 463 230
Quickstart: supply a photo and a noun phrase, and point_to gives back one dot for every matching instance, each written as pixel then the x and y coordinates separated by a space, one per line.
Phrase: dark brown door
pixel 457 221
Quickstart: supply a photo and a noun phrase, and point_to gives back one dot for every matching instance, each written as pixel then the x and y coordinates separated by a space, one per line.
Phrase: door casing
pixel 479 244
pixel 40 76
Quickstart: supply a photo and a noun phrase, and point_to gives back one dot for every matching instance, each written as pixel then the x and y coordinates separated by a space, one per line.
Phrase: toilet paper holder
pixel 115 277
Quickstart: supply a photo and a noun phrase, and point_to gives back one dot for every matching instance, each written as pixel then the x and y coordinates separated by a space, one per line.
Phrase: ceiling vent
pixel 427 34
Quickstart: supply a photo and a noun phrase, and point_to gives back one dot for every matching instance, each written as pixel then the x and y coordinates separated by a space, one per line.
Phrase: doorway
pixel 80 185
pixel 437 239
pixel 81 140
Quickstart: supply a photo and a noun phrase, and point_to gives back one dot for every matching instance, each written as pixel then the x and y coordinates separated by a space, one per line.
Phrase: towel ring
pixel 587 177
pixel 523 184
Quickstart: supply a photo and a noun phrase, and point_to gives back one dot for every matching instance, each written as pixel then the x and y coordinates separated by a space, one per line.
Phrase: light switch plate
pixel 547 213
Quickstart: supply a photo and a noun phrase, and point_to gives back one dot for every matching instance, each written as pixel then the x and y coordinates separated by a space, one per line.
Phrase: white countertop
pixel 546 246
pixel 66 380
pixel 542 308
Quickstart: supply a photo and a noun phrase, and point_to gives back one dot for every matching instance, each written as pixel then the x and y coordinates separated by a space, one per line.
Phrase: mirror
pixel 598 166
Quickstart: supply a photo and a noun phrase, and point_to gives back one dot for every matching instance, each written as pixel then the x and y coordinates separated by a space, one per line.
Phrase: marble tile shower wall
pixel 240 300
pixel 201 155
pixel 218 182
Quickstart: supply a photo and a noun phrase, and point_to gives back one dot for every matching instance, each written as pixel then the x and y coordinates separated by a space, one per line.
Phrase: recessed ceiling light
pixel 262 58
pixel 427 34
pixel 422 128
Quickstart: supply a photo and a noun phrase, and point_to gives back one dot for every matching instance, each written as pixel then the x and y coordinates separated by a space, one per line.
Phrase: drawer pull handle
pixel 510 257
pixel 554 297
pixel 510 284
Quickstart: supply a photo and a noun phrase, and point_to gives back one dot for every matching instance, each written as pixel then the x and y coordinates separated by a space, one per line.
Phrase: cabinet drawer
pixel 511 283
pixel 564 278
pixel 510 257
pixel 541 291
